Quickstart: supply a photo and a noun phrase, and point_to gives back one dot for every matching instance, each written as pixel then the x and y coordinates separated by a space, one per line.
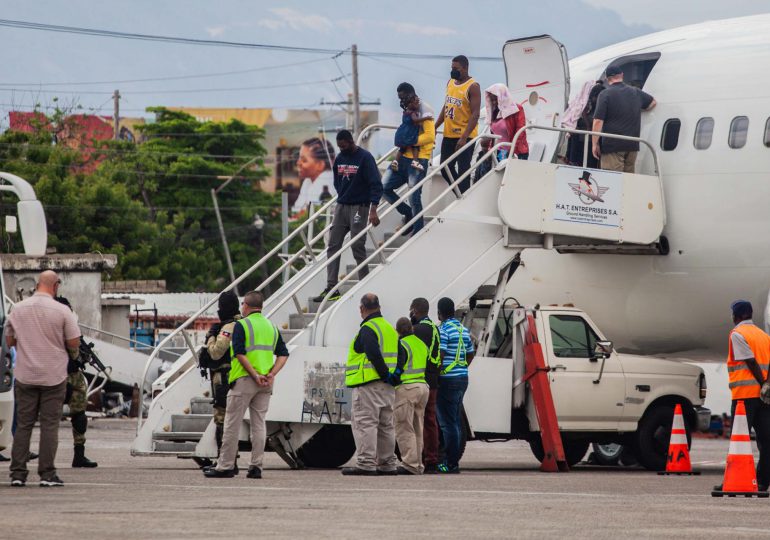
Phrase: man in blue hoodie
pixel 359 188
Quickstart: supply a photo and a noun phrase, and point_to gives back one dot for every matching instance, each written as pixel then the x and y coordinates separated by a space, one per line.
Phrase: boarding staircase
pixel 470 246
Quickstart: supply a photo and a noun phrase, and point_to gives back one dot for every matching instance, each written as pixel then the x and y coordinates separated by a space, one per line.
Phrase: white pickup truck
pixel 600 397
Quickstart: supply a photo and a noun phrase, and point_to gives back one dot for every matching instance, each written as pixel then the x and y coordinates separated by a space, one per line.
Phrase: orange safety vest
pixel 743 385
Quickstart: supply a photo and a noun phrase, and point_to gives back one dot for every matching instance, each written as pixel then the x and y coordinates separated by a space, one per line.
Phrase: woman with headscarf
pixel 505 118
pixel 314 165
pixel 586 103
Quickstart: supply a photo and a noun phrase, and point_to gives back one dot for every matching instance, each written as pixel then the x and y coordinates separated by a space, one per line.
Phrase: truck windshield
pixel 572 337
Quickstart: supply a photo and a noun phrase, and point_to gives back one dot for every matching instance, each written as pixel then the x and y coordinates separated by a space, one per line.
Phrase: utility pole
pixel 116 114
pixel 356 96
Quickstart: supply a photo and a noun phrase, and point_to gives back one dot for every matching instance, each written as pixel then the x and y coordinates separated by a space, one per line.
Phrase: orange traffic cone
pixel 740 476
pixel 678 461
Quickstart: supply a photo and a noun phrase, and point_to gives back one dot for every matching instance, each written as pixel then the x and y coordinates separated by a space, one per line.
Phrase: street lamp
pixel 214 192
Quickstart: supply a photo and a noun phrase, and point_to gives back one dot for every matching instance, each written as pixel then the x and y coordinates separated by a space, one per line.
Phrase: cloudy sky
pixel 37 65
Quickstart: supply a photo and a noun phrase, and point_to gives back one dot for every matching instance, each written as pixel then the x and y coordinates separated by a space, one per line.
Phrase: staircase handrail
pixel 450 188
pixel 294 234
pixel 586 133
pixel 316 270
pixel 137 344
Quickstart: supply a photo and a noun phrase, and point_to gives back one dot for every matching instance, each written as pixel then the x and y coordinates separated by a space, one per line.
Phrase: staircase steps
pixel 201 405
pixel 190 422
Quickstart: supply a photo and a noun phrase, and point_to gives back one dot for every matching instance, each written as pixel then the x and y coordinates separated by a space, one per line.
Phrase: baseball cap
pixel 613 70
pixel 742 308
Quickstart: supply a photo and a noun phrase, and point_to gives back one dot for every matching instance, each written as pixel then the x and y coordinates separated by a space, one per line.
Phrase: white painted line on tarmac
pixel 366 490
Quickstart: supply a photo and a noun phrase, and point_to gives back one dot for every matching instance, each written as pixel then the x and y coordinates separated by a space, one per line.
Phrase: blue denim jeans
pixel 406 174
pixel 448 409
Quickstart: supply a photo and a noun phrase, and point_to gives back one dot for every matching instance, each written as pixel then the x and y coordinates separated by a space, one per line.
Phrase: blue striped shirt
pixel 449 335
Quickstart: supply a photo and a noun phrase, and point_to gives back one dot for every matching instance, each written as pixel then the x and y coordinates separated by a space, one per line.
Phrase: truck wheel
pixel 329 448
pixel 612 454
pixel 574 451
pixel 652 437
pixel 607 454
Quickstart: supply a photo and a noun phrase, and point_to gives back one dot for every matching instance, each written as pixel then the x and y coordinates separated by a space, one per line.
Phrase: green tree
pixel 150 203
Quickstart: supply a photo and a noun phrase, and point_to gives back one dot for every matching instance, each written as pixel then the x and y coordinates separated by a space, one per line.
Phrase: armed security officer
pixel 218 342
pixel 411 398
pixel 77 401
pixel 372 372
pixel 427 331
pixel 747 367
pixel 255 343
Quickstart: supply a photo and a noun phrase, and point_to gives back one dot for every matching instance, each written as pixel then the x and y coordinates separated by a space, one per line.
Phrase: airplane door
pixel 581 403
pixel 537 73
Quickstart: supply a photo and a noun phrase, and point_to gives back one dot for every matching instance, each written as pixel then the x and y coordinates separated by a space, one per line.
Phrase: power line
pixel 171 78
pixel 303 106
pixel 29 25
pixel 396 64
pixel 119 151
pixel 178 90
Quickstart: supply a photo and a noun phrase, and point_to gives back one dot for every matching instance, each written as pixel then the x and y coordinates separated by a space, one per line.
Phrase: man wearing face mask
pixel 421 152
pixel 427 331
pixel 359 188
pixel 460 116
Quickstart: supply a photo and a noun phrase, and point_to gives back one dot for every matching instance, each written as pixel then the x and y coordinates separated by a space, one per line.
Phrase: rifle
pixel 88 356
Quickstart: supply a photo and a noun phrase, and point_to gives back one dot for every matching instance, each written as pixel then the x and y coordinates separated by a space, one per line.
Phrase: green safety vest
pixel 261 339
pixel 416 359
pixel 435 347
pixel 358 369
pixel 460 347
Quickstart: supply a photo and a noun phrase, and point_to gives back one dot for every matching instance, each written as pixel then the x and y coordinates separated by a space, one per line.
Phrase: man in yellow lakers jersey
pixel 460 116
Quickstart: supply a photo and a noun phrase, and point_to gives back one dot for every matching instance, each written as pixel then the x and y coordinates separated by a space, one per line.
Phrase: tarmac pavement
pixel 500 494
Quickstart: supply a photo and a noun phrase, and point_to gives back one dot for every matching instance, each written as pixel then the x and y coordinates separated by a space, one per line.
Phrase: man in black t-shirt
pixel 359 188
pixel 619 111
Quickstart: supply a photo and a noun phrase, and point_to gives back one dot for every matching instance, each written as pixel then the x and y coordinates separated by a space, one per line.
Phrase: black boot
pixel 80 460
pixel 218 435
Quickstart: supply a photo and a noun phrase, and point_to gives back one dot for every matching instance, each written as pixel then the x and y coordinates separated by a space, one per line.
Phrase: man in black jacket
pixel 375 363
pixel 359 188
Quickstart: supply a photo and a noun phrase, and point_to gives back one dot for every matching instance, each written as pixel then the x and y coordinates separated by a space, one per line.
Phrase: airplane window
pixel 670 137
pixel 767 133
pixel 704 130
pixel 739 129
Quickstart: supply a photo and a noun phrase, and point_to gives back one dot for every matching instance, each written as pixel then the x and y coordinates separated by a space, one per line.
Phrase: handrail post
pixel 308 247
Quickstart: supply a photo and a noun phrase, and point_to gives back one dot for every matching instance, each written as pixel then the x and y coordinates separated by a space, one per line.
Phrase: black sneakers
pixel 355 471
pixel 430 469
pixel 254 472
pixel 216 473
pixel 16 482
pixel 327 292
pixel 54 481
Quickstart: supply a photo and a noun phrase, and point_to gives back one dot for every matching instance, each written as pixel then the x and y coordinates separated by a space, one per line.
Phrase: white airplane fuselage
pixel 718 199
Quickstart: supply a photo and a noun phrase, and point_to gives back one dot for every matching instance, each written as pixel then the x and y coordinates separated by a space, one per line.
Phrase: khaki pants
pixel 245 394
pixel 372 423
pixel 32 402
pixel 411 399
pixel 619 161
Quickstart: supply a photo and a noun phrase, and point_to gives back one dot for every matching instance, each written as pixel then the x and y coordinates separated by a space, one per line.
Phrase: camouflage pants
pixel 78 402
pixel 220 387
